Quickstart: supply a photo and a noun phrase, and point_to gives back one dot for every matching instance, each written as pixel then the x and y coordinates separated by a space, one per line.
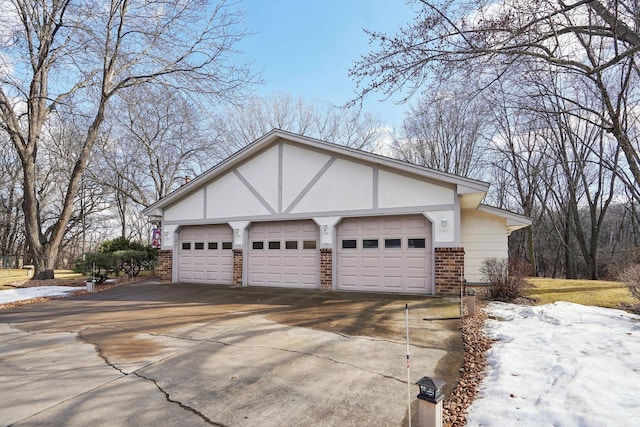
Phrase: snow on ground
pixel 19 294
pixel 560 364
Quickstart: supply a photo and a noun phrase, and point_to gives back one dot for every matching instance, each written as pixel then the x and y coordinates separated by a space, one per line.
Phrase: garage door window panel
pixel 309 244
pixel 416 243
pixel 392 243
pixel 186 246
pixel 199 246
pixel 212 246
pixel 257 245
pixel 349 244
pixel 227 245
pixel 274 245
pixel 291 244
pixel 369 243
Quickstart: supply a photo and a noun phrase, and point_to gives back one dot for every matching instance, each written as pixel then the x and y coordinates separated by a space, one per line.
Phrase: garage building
pixel 292 211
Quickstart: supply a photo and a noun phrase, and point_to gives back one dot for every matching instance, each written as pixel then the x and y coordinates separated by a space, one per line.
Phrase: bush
pixel 624 258
pixel 520 268
pixel 117 255
pixel 132 261
pixel 504 285
pixel 630 276
pixel 120 244
pixel 100 265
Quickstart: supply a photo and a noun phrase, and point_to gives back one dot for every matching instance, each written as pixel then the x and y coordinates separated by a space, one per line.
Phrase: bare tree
pixel 75 57
pixel 12 244
pixel 445 132
pixel 596 41
pixel 582 151
pixel 518 162
pixel 155 139
pixel 347 126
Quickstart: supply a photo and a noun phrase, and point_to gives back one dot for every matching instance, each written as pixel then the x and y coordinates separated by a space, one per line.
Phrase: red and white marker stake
pixel 406 310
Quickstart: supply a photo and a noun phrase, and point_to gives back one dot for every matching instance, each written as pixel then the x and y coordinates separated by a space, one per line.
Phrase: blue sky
pixel 306 47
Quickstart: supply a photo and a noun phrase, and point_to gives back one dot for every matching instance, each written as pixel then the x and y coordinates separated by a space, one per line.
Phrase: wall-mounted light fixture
pixel 237 231
pixel 325 228
pixel 444 223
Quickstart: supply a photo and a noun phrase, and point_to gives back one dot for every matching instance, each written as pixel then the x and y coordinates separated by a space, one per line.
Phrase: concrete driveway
pixel 186 354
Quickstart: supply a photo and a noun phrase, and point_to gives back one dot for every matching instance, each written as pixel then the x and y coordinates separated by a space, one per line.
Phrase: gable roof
pixel 474 189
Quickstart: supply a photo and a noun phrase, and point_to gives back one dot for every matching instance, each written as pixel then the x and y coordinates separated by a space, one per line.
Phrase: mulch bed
pixel 476 344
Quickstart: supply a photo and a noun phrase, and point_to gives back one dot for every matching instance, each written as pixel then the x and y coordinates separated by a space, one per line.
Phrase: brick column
pixel 237 267
pixel 164 267
pixel 326 269
pixel 449 271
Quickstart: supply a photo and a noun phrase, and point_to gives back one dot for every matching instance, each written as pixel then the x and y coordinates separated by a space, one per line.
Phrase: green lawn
pixel 587 292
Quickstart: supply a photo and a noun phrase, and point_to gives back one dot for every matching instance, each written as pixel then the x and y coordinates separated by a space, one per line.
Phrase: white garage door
pixel 205 254
pixel 385 254
pixel 284 254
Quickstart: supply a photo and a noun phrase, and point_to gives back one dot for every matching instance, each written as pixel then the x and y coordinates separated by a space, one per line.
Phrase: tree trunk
pixel 532 252
pixel 43 263
pixel 569 261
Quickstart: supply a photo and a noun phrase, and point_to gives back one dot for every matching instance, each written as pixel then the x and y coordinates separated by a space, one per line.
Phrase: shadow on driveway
pixel 220 355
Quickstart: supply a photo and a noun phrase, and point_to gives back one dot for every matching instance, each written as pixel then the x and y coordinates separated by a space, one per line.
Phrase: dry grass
pixel 9 276
pixel 68 274
pixel 15 277
pixel 600 293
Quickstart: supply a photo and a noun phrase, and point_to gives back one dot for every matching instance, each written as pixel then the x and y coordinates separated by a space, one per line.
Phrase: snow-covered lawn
pixel 20 294
pixel 560 364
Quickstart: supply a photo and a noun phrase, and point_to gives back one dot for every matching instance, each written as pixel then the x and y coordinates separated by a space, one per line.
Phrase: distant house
pixel 292 211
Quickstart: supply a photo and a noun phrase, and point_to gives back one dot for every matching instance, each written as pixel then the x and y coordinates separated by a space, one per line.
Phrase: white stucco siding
pixel 397 190
pixel 299 167
pixel 261 172
pixel 344 186
pixel 483 236
pixel 229 197
pixel 443 236
pixel 168 232
pixel 191 207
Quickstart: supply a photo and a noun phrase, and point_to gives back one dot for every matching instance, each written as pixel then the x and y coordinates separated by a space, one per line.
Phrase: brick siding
pixel 326 269
pixel 449 271
pixel 237 267
pixel 164 267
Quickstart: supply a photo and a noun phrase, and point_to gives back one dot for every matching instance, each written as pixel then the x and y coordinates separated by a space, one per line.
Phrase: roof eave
pixel 514 221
